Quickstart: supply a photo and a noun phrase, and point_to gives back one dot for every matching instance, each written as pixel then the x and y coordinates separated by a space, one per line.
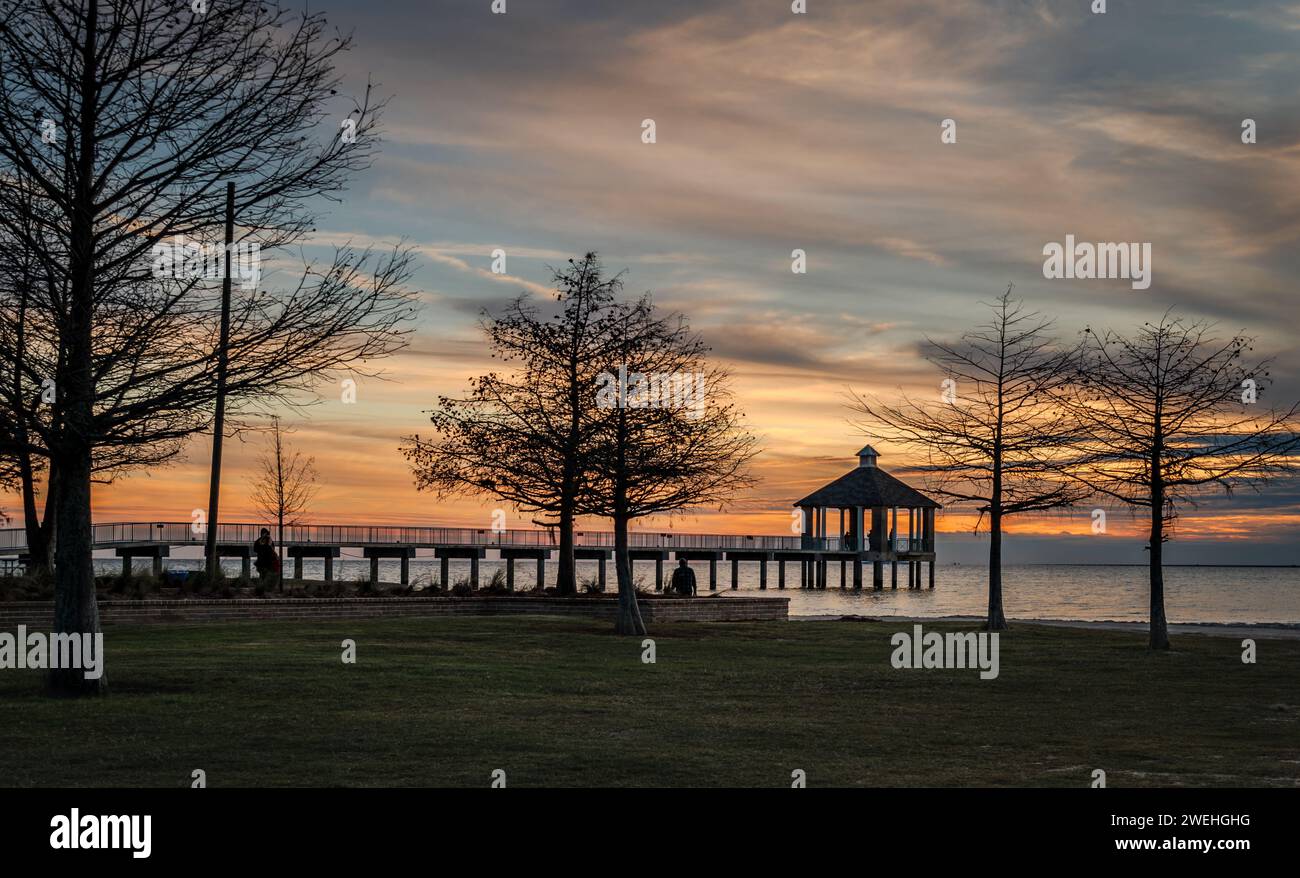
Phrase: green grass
pixel 565 702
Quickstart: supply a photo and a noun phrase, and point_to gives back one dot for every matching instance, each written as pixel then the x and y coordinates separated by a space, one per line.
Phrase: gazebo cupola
pixel 869 501
pixel 867 456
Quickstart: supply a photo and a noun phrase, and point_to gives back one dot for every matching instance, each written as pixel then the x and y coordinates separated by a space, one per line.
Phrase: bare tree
pixel 1168 415
pixel 284 487
pixel 523 436
pixel 33 303
pixel 991 437
pixel 669 438
pixel 128 118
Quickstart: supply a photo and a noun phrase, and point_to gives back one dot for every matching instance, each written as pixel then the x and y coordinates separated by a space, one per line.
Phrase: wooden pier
pixel 866 494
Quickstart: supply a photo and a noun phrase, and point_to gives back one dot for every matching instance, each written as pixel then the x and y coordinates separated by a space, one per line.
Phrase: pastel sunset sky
pixel 821 132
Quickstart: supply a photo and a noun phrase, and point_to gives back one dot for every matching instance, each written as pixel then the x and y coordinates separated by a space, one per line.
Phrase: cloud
pixel 821 132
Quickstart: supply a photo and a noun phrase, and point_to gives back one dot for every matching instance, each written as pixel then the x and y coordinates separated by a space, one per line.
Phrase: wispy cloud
pixel 819 132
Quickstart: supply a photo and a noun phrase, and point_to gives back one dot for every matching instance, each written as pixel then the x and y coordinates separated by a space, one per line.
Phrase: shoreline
pixel 1266 630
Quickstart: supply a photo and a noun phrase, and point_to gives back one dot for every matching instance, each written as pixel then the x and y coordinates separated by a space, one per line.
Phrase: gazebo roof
pixel 867 486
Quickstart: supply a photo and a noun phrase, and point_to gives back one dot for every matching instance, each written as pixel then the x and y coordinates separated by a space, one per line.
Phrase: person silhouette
pixel 683 579
pixel 266 560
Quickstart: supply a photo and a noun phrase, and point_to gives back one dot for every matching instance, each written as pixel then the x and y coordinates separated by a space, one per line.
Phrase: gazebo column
pixel 819 521
pixel 878 539
pixel 861 544
pixel 826 564
pixel 919 543
pixel 911 533
pixel 908 548
pixel 929 535
pixel 892 512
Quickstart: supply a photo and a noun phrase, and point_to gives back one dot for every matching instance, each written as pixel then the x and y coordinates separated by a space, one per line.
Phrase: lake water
pixel 1032 591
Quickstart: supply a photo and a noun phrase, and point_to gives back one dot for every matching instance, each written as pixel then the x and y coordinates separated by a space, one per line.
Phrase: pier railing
pixel 111 535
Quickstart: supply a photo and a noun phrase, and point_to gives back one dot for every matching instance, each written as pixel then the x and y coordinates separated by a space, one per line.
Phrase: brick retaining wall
pixel 40 614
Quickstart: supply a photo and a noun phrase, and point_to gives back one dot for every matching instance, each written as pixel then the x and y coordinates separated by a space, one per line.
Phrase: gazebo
pixel 869 500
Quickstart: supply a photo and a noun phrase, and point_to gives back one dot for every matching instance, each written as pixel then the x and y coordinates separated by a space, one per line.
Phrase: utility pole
pixel 219 422
pixel 279 506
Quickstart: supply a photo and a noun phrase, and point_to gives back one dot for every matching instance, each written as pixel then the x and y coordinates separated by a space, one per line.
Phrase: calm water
pixel 1039 591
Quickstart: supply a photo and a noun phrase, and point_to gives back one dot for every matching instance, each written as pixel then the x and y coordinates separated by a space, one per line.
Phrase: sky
pixel 821 131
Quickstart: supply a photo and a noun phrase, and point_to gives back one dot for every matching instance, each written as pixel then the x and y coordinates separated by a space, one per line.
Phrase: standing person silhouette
pixel 266 561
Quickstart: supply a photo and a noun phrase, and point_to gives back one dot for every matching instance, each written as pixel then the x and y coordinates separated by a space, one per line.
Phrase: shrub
pixel 27 588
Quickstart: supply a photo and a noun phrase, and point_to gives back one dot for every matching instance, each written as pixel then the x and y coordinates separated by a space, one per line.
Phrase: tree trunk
pixel 48 536
pixel 997 621
pixel 566 576
pixel 75 607
pixel 279 551
pixel 629 613
pixel 1159 627
pixel 37 548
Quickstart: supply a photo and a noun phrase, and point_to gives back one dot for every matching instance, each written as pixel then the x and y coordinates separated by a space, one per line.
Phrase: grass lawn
pixel 565 702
